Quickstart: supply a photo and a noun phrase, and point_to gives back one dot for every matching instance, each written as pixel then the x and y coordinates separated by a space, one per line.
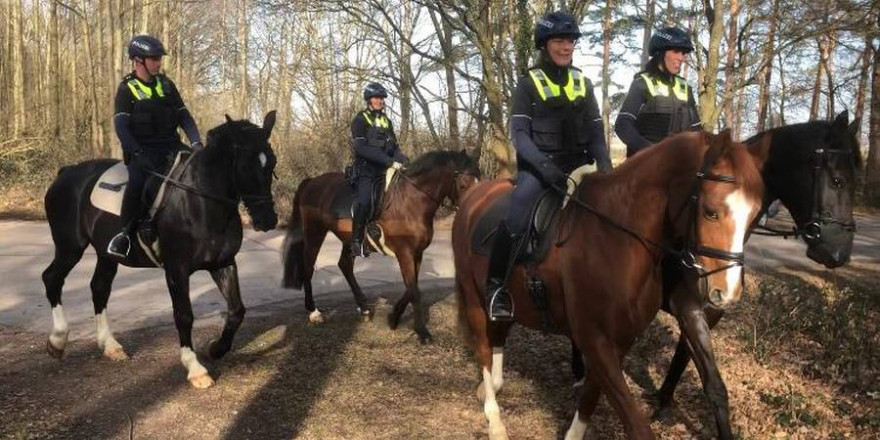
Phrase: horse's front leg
pixel 696 341
pixel 178 287
pixel 410 262
pixel 227 281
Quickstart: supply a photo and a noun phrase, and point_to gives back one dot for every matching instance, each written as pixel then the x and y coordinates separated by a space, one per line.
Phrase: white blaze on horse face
pixel 263 160
pixel 60 330
pixel 740 209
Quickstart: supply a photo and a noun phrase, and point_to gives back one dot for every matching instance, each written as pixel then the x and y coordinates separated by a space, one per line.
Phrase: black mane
pixel 434 159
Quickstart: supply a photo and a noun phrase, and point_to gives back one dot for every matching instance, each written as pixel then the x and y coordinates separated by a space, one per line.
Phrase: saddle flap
pixel 107 193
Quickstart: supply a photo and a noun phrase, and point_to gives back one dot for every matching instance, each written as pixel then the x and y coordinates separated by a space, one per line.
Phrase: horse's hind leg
pixel 227 281
pixel 65 259
pixel 346 265
pixel 313 239
pixel 102 280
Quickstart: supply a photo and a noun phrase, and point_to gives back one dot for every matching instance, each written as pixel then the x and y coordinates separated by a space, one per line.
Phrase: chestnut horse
pixel 693 195
pixel 407 221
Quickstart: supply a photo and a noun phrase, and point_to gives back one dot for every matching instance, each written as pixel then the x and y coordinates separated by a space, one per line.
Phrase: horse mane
pixel 221 134
pixel 439 158
pixel 746 173
pixel 805 137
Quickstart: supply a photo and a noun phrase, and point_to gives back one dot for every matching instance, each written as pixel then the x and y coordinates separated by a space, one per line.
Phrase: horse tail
pixel 293 247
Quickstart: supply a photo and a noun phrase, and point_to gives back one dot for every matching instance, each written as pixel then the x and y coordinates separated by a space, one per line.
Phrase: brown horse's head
pixel 728 199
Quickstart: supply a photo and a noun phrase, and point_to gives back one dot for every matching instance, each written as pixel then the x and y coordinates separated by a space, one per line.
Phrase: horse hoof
pixel 201 382
pixel 54 352
pixel 498 433
pixel 116 354
pixel 393 320
pixel 216 351
pixel 366 314
pixel 425 336
pixel 316 317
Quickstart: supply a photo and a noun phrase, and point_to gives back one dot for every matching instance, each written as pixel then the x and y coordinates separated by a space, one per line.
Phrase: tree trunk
pixel 406 81
pixel 730 73
pixel 863 81
pixel 708 109
pixel 55 76
pixel 829 75
pixel 445 32
pixel 817 85
pixel 765 77
pixel 646 32
pixel 243 60
pixel 872 169
pixel 18 105
pixel 606 77
pixel 497 141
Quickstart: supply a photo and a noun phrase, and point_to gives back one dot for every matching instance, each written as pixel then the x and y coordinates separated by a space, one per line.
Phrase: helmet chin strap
pixel 140 61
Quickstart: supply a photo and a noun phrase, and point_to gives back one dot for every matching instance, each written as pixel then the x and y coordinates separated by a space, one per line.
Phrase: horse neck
pixel 777 174
pixel 433 186
pixel 209 171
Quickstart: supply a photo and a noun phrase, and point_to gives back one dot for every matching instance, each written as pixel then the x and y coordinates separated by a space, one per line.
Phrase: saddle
pixel 543 224
pixel 342 207
pixel 108 191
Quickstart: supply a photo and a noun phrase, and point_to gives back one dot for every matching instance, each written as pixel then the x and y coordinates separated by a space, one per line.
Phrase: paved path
pixel 140 298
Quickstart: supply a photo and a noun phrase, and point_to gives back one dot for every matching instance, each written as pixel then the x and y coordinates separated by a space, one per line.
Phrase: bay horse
pixel 407 219
pixel 199 228
pixel 603 281
pixel 811 169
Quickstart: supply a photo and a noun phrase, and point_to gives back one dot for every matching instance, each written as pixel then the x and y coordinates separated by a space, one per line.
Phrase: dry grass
pixel 351 380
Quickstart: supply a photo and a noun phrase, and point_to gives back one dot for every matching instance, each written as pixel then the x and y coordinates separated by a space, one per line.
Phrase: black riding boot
pixel 357 233
pixel 120 244
pixel 499 303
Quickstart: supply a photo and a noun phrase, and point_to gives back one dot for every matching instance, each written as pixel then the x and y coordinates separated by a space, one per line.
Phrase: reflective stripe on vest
pixel 576 86
pixel 655 88
pixel 141 91
pixel 381 120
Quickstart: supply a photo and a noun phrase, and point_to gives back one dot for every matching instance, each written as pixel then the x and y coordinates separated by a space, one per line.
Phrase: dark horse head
pixel 252 165
pixel 812 170
pixel 464 168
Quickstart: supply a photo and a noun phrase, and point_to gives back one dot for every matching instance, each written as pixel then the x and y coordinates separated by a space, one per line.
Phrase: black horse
pixel 199 228
pixel 811 169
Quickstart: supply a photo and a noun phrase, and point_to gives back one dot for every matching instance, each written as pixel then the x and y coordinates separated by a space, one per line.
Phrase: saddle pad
pixel 108 191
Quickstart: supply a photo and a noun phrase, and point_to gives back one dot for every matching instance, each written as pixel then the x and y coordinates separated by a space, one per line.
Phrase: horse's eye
pixel 838 182
pixel 710 214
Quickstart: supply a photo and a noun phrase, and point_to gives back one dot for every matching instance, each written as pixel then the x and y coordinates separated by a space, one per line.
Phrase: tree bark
pixel 863 81
pixel 646 32
pixel 606 76
pixel 730 72
pixel 18 103
pixel 56 76
pixel 872 169
pixel 243 41
pixel 767 69
pixel 708 109
pixel 817 85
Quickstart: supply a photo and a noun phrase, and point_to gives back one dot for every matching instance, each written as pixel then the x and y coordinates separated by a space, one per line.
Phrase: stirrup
pixel 499 312
pixel 120 240
pixel 357 248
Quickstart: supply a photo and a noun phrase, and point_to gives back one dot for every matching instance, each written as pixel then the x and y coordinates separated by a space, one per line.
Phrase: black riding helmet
pixel 144 46
pixel 555 24
pixel 374 89
pixel 670 38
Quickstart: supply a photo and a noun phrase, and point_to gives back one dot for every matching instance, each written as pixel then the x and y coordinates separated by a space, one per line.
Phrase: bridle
pixel 812 230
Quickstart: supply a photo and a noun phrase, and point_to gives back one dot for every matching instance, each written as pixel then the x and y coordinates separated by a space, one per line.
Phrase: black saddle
pixel 344 198
pixel 539 237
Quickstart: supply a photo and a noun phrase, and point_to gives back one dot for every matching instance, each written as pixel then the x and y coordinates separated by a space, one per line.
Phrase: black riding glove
pixel 143 161
pixel 551 174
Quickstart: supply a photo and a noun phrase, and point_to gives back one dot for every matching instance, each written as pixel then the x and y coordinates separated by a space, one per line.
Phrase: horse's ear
pixel 842 120
pixel 760 150
pixel 724 140
pixel 269 122
pixel 854 126
pixel 228 119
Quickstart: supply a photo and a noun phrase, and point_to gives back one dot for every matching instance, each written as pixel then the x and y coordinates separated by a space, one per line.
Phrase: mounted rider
pixel 375 150
pixel 149 110
pixel 659 102
pixel 556 127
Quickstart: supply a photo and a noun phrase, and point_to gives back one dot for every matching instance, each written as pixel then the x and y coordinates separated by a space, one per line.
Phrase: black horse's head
pixel 253 163
pixel 813 171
